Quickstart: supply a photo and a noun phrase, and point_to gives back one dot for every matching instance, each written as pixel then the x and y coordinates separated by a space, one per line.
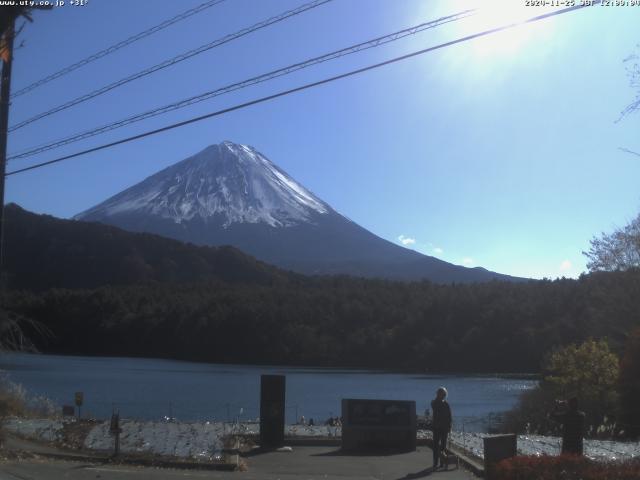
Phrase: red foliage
pixel 565 467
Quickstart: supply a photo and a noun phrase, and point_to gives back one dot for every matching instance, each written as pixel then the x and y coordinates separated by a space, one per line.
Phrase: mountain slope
pixel 230 194
pixel 42 252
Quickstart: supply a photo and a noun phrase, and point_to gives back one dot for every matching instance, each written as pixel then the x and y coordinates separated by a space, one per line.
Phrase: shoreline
pixel 311 368
pixel 205 441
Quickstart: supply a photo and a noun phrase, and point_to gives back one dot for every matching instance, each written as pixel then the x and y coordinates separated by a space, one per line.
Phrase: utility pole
pixel 8 24
pixel 5 92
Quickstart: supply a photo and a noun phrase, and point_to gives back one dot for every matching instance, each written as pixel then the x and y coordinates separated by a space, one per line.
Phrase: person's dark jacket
pixel 441 415
pixel 572 431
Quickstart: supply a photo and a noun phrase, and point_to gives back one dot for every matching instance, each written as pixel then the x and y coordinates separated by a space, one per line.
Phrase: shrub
pixel 531 414
pixel 588 371
pixel 16 401
pixel 565 467
pixel 13 399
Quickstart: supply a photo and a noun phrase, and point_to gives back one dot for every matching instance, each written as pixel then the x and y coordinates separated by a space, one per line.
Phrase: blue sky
pixel 502 152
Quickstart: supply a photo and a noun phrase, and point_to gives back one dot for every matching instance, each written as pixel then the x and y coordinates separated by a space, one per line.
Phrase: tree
pixel 629 385
pixel 588 371
pixel 633 72
pixel 12 331
pixel 619 250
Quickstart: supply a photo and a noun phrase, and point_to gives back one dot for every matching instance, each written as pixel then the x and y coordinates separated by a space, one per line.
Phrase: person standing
pixel 572 421
pixel 441 423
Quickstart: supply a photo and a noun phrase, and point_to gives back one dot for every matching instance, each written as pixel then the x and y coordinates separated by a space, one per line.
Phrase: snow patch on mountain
pixel 226 183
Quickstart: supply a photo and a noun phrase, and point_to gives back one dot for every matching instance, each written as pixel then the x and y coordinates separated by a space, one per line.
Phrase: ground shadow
pixel 425 473
pixel 361 453
pixel 421 474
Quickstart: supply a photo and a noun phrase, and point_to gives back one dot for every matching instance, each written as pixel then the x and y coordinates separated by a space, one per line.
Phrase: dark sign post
pixel 68 411
pixel 79 400
pixel 115 430
pixel 272 397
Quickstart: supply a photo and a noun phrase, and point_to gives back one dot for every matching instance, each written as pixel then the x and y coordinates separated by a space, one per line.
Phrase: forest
pixel 103 291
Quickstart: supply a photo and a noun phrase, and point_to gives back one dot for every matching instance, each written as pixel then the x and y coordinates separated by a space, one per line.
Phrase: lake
pixel 152 389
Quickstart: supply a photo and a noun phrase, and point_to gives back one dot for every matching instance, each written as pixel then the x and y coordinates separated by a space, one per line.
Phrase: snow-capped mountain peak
pixel 226 183
pixel 231 194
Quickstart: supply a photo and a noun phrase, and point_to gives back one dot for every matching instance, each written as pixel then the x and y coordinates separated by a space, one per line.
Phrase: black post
pixel 272 398
pixel 79 401
pixel 5 92
pixel 115 430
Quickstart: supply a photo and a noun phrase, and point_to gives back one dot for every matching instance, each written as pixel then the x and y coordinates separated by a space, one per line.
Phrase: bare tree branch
pixel 633 73
pixel 619 250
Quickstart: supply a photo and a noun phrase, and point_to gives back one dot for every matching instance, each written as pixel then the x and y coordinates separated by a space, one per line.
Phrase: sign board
pixel 114 428
pixel 79 399
pixel 378 424
pixel 68 410
pixel 272 398
pixel 496 448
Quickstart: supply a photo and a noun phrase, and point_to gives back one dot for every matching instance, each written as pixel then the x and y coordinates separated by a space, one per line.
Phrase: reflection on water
pixel 151 389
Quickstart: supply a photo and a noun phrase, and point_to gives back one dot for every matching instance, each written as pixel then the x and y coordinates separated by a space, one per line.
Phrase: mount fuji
pixel 230 194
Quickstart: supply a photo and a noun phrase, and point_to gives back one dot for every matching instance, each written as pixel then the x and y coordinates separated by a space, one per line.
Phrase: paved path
pixel 328 462
pixel 306 463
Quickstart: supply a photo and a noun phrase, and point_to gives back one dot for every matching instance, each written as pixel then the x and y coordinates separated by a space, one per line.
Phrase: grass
pixel 15 401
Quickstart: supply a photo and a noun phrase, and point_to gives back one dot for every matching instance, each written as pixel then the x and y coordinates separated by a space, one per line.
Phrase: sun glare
pixel 496 13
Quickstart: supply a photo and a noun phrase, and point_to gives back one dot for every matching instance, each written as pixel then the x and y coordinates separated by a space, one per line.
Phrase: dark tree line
pixel 339 321
pixel 99 290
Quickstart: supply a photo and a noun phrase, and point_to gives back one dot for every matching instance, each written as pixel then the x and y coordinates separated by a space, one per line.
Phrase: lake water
pixel 151 388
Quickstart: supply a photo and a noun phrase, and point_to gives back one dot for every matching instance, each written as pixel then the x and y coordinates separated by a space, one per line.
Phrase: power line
pixel 245 83
pixel 301 88
pixel 113 48
pixel 172 61
pixel 630 152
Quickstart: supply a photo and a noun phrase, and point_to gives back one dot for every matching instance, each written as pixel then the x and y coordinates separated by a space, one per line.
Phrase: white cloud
pixel 438 251
pixel 565 265
pixel 467 261
pixel 406 240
